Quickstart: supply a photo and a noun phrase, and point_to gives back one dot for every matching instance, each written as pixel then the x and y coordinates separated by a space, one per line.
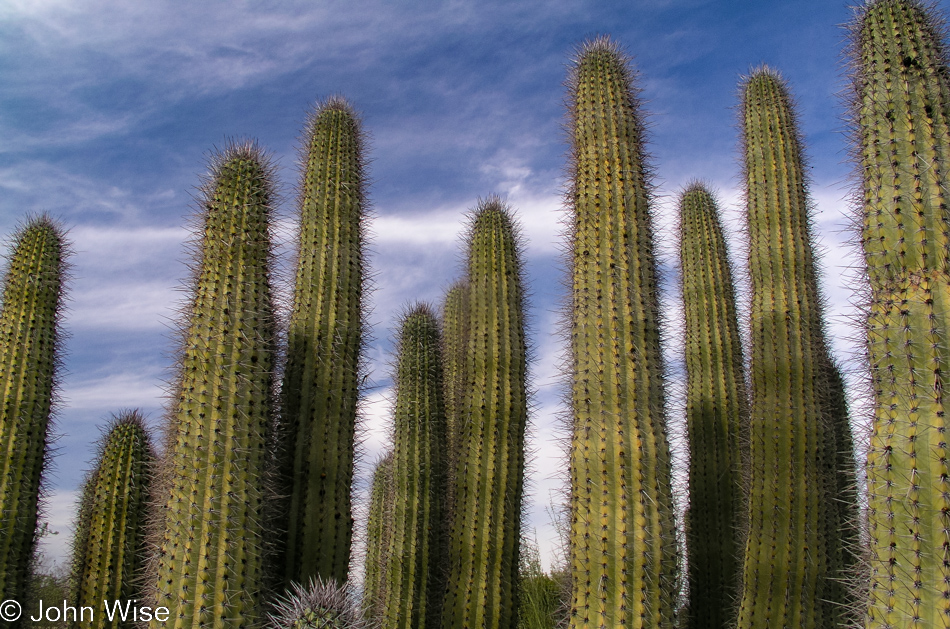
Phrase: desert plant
pixel 455 354
pixel 318 605
pixel 378 530
pixel 622 540
pixel 210 521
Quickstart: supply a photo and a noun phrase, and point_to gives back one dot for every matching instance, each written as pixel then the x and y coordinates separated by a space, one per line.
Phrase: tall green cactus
pixel 211 520
pixel 109 544
pixel 792 560
pixel 29 346
pixel 455 317
pixel 489 478
pixel 901 112
pixel 378 530
pixel 415 581
pixel 321 381
pixel 319 605
pixel 717 412
pixel 622 537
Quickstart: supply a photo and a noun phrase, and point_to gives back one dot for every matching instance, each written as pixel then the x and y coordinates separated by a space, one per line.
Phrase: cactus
pixel 210 532
pixel 319 605
pixel 622 536
pixel 378 530
pixel 415 581
pixel 455 354
pixel 901 112
pixel 489 478
pixel 321 381
pixel 29 357
pixel 109 543
pixel 792 560
pixel 717 412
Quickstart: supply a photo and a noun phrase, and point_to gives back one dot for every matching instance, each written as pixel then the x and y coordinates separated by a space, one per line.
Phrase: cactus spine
pixel 489 477
pixel 378 531
pixel 319 605
pixel 792 553
pixel 321 380
pixel 415 581
pixel 211 535
pixel 29 342
pixel 622 537
pixel 717 412
pixel 902 124
pixel 455 318
pixel 110 534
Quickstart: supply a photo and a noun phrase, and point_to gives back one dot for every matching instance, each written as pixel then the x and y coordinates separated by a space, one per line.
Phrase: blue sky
pixel 109 109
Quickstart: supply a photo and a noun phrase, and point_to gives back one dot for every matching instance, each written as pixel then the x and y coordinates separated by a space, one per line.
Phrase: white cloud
pixel 129 389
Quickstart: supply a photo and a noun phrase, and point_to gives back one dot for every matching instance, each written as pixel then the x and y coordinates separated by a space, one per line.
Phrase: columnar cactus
pixel 210 532
pixel 321 381
pixel 378 530
pixel 109 544
pixel 455 354
pixel 29 346
pixel 415 579
pixel 901 112
pixel 318 605
pixel 622 537
pixel 717 412
pixel 792 552
pixel 489 478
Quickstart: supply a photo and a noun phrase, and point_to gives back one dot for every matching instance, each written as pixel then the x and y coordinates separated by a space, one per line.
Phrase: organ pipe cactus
pixel 415 580
pixel 482 586
pixel 901 112
pixel 210 534
pixel 318 605
pixel 455 318
pixel 792 552
pixel 717 412
pixel 109 544
pixel 622 537
pixel 378 531
pixel 30 343
pixel 321 381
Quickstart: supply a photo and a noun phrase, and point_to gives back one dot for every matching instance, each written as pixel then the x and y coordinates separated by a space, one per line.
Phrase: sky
pixel 109 111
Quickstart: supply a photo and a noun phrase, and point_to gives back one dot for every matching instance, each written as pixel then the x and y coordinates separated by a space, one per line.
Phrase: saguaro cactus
pixel 29 346
pixel 489 478
pixel 622 536
pixel 901 112
pixel 717 412
pixel 211 520
pixel 415 579
pixel 321 380
pixel 109 544
pixel 792 552
pixel 378 531
pixel 319 605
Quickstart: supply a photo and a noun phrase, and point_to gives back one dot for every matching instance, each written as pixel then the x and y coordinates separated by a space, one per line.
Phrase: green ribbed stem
pixel 902 117
pixel 212 522
pixel 793 548
pixel 455 316
pixel 717 413
pixel 29 342
pixel 321 381
pixel 489 478
pixel 622 538
pixel 378 531
pixel 109 544
pixel 415 582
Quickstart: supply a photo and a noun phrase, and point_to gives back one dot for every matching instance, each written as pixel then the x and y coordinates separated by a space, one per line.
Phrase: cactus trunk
pixel 109 544
pixel 793 549
pixel 717 413
pixel 622 537
pixel 455 316
pixel 211 525
pixel 902 126
pixel 415 580
pixel 378 531
pixel 29 342
pixel 321 381
pixel 489 478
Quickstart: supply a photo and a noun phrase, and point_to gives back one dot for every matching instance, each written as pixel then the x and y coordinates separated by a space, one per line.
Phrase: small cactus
pixel 109 544
pixel 211 485
pixel 318 605
pixel 482 586
pixel 455 317
pixel 623 535
pixel 321 381
pixel 378 531
pixel 30 342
